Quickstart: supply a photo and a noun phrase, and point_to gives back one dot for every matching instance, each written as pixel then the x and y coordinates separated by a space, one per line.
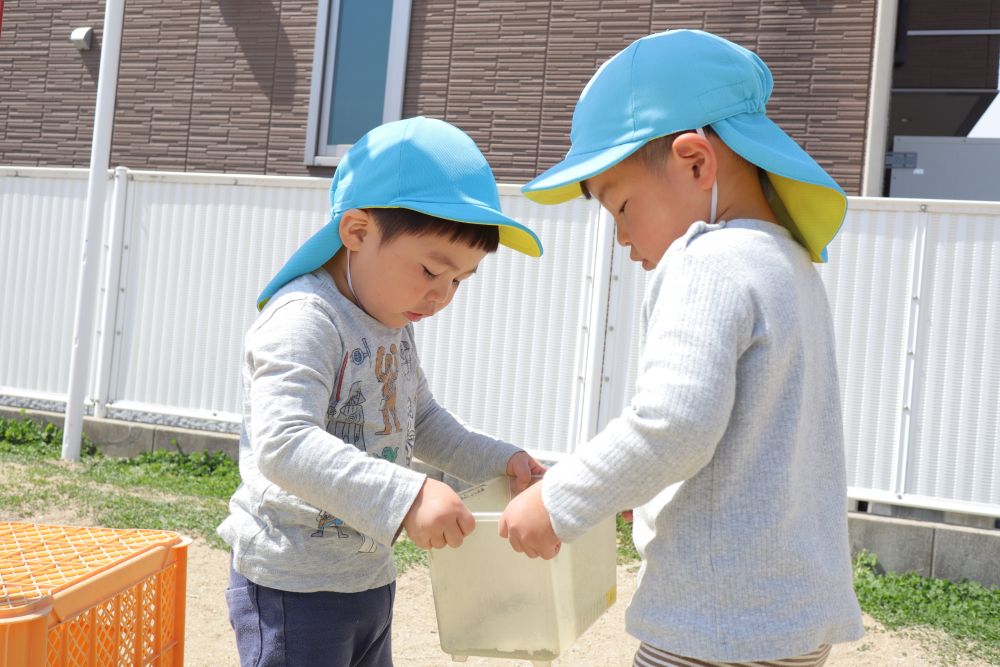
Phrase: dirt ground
pixel 209 639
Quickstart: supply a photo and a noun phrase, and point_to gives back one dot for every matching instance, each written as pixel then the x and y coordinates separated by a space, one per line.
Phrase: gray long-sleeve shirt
pixel 737 397
pixel 335 407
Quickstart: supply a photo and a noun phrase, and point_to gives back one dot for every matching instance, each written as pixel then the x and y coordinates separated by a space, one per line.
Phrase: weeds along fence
pixel 542 352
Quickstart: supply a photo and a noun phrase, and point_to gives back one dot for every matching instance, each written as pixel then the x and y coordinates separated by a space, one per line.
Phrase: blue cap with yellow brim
pixel 422 164
pixel 681 80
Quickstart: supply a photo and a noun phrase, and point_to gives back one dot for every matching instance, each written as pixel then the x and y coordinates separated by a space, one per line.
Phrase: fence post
pixel 909 365
pixel 111 290
pixel 596 328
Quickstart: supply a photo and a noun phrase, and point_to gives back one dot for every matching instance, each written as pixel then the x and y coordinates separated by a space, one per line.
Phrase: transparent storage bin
pixel 494 602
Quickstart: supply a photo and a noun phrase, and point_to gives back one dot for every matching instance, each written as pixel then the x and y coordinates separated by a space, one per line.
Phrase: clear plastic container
pixel 494 602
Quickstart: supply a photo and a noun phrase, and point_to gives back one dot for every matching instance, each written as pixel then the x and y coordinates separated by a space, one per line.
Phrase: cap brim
pixel 314 253
pixel 812 204
pixel 561 183
pixel 324 244
pixel 513 234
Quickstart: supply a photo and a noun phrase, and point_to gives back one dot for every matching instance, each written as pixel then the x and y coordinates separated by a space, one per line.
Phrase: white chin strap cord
pixel 350 286
pixel 715 196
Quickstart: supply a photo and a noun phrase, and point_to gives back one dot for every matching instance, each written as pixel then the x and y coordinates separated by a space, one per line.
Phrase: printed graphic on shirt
pixel 405 358
pixel 331 409
pixel 346 418
pixel 411 432
pixel 326 520
pixel 349 424
pixel 359 354
pixel 386 372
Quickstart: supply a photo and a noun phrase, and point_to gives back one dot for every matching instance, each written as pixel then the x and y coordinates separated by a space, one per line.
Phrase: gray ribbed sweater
pixel 737 397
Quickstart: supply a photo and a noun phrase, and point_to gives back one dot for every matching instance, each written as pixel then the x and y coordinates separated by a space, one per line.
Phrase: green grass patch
pixel 968 613
pixel 407 554
pixel 626 548
pixel 161 490
pixel 212 475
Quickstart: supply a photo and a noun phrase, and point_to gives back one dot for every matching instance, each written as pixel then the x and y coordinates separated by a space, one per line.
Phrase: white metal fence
pixel 542 352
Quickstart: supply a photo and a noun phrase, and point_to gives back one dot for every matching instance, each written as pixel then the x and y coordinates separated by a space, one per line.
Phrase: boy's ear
pixel 355 228
pixel 697 157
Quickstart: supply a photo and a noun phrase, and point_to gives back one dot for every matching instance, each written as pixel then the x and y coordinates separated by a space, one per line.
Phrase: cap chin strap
pixel 715 188
pixel 351 287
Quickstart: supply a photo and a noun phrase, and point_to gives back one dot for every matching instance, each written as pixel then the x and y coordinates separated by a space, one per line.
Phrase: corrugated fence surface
pixel 541 352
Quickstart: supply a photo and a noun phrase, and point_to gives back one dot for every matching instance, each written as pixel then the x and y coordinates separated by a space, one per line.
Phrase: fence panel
pixel 955 442
pixel 41 239
pixel 510 354
pixel 541 352
pixel 197 251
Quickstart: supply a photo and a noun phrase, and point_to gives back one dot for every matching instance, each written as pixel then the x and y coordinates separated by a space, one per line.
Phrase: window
pixel 943 133
pixel 358 71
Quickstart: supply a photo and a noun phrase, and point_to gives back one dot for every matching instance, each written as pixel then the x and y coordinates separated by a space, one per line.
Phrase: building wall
pixel 220 85
pixel 483 70
pixel 224 85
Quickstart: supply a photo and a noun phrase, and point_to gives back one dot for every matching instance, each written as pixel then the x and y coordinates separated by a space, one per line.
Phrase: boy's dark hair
pixel 652 155
pixel 393 222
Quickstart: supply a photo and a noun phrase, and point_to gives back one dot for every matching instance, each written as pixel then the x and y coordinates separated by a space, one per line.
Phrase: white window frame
pixel 879 92
pixel 317 152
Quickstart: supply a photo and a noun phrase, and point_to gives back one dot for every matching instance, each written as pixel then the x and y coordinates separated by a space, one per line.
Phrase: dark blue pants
pixel 277 628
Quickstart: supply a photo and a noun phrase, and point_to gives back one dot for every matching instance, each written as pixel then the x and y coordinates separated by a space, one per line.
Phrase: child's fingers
pixel 503 527
pixel 466 523
pixel 521 481
pixel 453 535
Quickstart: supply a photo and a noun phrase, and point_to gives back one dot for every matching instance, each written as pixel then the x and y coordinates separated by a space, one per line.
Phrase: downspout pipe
pixel 87 289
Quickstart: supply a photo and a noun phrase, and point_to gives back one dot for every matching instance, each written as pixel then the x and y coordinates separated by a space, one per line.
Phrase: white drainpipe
pixel 86 299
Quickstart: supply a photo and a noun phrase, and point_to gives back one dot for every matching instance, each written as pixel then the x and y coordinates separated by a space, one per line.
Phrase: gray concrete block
pixel 901 545
pixel 118 438
pixel 36 416
pixel 189 440
pixel 967 553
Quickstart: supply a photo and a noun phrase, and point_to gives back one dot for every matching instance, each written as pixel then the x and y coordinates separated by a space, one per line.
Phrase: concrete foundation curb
pixel 930 549
pixel 126 439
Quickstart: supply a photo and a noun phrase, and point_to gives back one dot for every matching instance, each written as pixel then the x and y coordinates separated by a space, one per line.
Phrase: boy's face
pixel 410 277
pixel 653 207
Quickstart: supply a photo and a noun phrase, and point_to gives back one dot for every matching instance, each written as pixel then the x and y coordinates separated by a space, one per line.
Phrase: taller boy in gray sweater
pixel 737 394
pixel 336 405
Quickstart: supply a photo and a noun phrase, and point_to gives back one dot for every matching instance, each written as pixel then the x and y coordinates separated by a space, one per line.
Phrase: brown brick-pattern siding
pixel 203 85
pixel 511 71
pixel 47 87
pixel 223 85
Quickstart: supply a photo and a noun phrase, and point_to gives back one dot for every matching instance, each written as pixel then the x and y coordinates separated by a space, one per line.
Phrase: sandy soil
pixel 209 639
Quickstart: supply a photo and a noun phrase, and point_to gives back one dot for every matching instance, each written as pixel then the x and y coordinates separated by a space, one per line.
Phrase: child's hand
pixel 521 467
pixel 526 523
pixel 438 517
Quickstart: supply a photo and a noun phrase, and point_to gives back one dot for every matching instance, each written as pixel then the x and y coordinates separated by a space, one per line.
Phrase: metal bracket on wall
pixel 900 160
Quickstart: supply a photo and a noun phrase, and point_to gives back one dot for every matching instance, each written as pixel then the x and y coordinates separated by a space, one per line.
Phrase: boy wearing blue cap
pixel 336 405
pixel 737 394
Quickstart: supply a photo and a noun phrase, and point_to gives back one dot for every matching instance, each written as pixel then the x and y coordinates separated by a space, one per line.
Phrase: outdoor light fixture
pixel 81 38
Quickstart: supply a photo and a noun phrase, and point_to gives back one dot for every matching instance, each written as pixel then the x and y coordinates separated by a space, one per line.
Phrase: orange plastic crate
pixel 83 597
